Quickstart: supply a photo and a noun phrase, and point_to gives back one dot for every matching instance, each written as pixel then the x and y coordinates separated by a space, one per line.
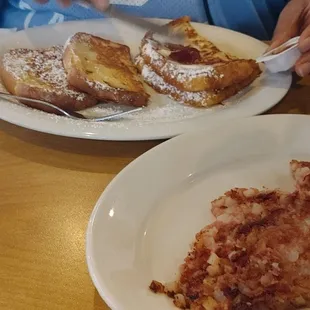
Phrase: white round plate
pixel 144 222
pixel 164 118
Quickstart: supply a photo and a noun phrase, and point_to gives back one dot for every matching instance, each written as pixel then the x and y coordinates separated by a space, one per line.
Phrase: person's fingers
pixel 101 5
pixel 304 41
pixel 288 23
pixel 278 42
pixel 302 66
pixel 282 36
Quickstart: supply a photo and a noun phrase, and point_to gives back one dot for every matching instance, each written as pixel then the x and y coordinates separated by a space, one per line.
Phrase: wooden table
pixel 48 187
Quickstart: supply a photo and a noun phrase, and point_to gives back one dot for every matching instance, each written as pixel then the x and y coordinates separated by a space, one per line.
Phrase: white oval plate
pixel 144 222
pixel 163 118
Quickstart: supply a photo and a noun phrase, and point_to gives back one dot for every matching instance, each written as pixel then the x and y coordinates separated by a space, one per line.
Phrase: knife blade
pixel 163 31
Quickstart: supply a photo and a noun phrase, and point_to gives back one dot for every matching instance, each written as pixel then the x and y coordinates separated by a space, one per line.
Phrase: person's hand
pixel 101 5
pixel 294 20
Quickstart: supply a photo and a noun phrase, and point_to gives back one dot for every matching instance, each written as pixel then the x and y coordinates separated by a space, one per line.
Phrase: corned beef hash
pixel 256 255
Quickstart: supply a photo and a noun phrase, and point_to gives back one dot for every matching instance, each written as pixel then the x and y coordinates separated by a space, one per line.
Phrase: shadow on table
pixel 70 153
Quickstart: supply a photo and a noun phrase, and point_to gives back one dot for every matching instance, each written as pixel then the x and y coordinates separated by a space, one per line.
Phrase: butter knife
pixel 163 31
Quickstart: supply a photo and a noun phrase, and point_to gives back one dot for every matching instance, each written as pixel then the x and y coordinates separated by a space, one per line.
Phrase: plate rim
pixel 105 294
pixel 171 129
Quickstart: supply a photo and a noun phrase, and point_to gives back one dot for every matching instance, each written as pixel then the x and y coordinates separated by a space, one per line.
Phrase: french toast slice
pixel 103 69
pixel 39 74
pixel 198 65
pixel 199 99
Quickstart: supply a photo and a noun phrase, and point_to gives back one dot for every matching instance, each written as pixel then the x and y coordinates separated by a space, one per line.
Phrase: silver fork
pixel 71 114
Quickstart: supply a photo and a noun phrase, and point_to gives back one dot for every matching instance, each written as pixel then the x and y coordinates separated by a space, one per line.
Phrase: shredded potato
pixel 256 255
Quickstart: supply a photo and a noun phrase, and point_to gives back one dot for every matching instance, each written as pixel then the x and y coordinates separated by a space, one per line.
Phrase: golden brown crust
pixel 7 79
pixel 117 81
pixel 16 85
pixel 180 21
pixel 215 70
pixel 201 99
pixel 209 52
pixel 62 101
pixel 77 80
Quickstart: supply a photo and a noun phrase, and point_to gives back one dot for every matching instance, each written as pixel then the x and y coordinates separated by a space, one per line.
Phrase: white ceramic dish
pixel 283 57
pixel 144 222
pixel 164 118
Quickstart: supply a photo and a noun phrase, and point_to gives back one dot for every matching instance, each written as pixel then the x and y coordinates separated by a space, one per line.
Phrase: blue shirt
pixel 254 17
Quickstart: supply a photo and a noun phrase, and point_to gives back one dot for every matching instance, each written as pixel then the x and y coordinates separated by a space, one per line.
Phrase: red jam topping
pixel 184 54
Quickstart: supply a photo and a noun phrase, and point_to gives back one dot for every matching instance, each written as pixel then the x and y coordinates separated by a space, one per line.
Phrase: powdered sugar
pixel 160 110
pixel 198 99
pixel 152 78
pixel 79 37
pixel 176 70
pixel 85 38
pixel 44 66
pixel 100 86
pixel 67 43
